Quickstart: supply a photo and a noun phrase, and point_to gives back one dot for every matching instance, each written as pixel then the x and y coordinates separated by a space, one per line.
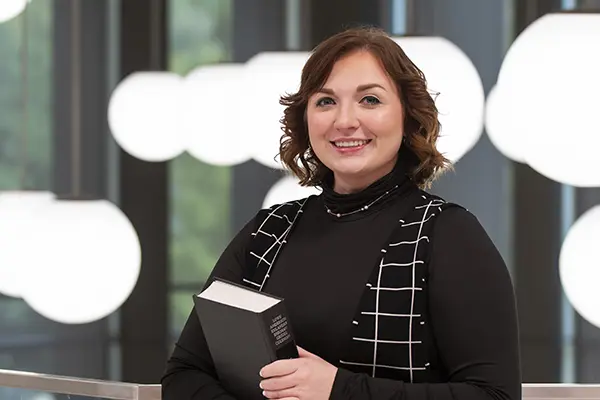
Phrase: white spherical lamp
pixel 268 76
pixel 211 97
pixel 502 126
pixel 580 265
pixel 19 216
pixel 551 74
pixel 144 115
pixel 287 189
pixel 89 262
pixel 461 98
pixel 10 9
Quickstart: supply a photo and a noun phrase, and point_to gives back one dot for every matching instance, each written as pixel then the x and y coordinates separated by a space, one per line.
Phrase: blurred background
pixel 163 215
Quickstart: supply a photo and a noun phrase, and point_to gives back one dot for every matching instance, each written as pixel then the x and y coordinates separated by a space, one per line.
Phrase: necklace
pixel 363 208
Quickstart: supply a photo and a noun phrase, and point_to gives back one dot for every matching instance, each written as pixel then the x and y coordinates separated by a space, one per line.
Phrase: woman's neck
pixel 352 185
pixel 343 197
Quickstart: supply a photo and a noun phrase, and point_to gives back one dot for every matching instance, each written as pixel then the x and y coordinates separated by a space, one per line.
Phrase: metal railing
pixel 78 386
pixel 128 391
pixel 560 391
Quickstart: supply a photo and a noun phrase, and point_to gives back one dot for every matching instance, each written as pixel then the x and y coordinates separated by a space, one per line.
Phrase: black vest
pixel 390 331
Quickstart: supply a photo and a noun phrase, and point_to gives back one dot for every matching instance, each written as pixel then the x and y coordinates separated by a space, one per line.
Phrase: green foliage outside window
pixel 38 117
pixel 200 33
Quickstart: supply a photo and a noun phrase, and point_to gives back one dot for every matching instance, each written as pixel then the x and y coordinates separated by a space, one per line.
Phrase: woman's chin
pixel 347 169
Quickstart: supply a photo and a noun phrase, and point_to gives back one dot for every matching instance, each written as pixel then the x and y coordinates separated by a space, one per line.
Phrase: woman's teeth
pixel 353 143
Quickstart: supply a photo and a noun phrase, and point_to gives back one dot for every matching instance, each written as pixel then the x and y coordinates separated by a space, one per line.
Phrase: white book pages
pixel 231 295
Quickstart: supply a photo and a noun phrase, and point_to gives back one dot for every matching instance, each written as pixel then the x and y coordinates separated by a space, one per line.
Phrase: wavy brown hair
pixel 421 125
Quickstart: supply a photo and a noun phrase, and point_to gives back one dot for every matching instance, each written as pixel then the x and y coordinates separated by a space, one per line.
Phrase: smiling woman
pixel 391 292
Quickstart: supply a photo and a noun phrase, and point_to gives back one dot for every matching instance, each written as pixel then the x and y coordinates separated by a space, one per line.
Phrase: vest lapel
pixel 270 236
pixel 389 332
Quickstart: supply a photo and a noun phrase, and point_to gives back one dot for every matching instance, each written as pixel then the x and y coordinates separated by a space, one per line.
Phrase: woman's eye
pixel 370 100
pixel 325 101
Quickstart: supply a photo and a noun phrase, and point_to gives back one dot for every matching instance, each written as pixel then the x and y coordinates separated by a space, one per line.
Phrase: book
pixel 245 330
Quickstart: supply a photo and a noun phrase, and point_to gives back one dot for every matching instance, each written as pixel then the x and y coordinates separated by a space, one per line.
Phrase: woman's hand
pixel 303 378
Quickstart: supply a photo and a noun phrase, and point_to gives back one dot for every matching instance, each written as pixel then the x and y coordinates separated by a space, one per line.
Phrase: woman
pixel 392 292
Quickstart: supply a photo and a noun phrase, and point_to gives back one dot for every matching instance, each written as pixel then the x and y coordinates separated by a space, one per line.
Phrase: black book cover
pixel 242 340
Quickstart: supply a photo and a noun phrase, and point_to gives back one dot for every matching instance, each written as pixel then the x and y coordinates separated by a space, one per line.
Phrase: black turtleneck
pixel 334 257
pixel 321 274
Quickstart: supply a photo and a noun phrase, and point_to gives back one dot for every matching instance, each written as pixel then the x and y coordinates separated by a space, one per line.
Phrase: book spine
pixel 279 334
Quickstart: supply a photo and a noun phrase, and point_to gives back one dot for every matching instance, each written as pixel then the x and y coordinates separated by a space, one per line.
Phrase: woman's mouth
pixel 349 146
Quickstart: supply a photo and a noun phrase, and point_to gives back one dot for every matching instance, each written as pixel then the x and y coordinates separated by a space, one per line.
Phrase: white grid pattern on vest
pixel 426 216
pixel 279 213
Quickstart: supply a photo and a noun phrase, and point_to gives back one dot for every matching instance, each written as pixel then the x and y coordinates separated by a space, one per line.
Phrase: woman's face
pixel 355 123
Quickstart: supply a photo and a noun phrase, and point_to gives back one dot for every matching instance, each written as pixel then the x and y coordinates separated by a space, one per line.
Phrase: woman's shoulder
pixel 437 200
pixel 435 206
pixel 456 226
pixel 451 217
pixel 461 245
pixel 283 209
pixel 268 222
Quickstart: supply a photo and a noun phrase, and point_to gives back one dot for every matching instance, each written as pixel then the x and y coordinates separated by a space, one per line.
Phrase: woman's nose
pixel 346 118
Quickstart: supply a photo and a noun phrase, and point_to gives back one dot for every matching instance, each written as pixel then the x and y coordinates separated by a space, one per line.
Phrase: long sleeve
pixel 190 372
pixel 473 318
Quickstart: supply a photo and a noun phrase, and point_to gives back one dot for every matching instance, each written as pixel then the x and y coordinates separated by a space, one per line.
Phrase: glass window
pixel 28 341
pixel 34 115
pixel 25 157
pixel 200 33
